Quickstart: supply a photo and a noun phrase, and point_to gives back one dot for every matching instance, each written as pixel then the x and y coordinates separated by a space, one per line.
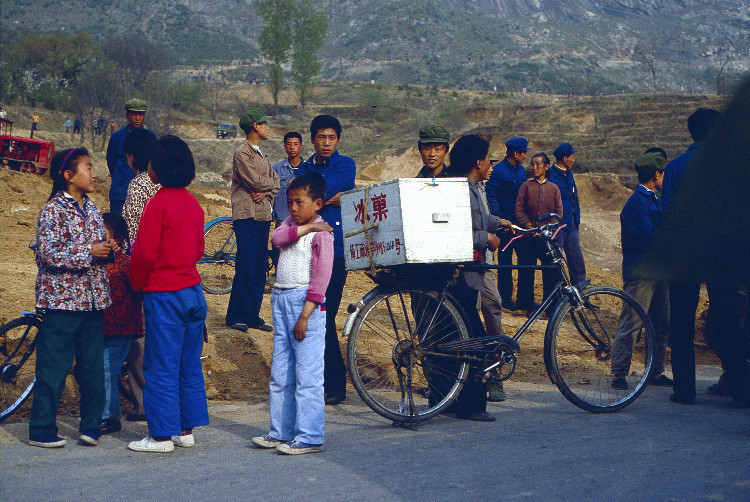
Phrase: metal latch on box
pixel 440 217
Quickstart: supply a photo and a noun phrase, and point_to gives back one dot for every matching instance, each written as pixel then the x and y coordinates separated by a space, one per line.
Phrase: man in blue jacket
pixel 502 190
pixel 117 162
pixel 338 171
pixel 561 174
pixel 640 221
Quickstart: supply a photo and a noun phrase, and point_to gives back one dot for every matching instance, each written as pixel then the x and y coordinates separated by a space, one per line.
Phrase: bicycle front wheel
pixel 392 347
pixel 17 362
pixel 216 267
pixel 587 346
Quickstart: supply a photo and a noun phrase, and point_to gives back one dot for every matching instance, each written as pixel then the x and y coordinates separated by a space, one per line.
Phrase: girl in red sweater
pixel 169 243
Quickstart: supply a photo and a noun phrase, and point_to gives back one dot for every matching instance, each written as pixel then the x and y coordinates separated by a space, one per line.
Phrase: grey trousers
pixel 653 296
pixel 490 306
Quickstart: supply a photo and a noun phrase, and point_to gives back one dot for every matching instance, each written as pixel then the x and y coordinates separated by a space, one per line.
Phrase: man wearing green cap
pixel 640 221
pixel 254 185
pixel 433 147
pixel 117 161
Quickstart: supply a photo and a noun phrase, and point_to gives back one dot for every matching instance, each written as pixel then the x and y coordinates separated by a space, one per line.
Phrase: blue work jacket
pixel 564 180
pixel 338 171
pixel 674 174
pixel 503 187
pixel 117 163
pixel 640 220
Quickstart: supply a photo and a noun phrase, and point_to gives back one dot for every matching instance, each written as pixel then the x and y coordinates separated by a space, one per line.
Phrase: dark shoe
pixel 90 437
pixel 620 383
pixel 239 326
pixel 661 381
pixel 717 390
pixel 110 425
pixel 495 392
pixel 135 417
pixel 264 327
pixel 680 400
pixel 334 399
pixel 480 416
pixel 47 441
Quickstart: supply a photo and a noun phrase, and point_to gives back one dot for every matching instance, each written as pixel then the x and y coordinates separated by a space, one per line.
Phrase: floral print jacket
pixel 69 278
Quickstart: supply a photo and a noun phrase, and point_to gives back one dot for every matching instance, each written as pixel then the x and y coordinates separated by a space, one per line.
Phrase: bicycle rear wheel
pixel 578 349
pixel 216 267
pixel 17 362
pixel 388 336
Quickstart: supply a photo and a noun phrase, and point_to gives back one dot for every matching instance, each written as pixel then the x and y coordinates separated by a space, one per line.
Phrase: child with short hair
pixel 163 265
pixel 123 320
pixel 71 286
pixel 302 276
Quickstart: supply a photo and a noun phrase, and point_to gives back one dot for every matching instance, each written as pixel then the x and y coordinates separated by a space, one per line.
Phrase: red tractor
pixel 28 155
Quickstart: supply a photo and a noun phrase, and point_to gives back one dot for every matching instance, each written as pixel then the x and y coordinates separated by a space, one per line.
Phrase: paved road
pixel 541 448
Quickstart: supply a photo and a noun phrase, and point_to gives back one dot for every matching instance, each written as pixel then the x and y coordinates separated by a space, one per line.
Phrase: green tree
pixel 310 27
pixel 275 40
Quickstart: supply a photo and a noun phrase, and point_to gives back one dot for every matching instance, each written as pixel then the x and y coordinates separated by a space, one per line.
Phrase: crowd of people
pixel 105 280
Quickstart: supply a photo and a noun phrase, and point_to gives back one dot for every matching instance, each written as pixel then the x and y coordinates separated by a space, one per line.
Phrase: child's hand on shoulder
pixel 320 226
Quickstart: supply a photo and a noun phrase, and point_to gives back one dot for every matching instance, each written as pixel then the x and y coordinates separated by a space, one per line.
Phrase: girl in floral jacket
pixel 71 286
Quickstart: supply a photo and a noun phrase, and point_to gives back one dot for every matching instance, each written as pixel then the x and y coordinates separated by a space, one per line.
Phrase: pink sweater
pixel 322 256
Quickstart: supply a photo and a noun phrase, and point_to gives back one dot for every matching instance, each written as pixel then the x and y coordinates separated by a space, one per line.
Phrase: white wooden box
pixel 408 220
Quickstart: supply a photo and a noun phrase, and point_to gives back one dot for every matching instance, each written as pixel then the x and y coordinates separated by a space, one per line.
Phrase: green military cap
pixel 250 117
pixel 136 105
pixel 650 162
pixel 434 134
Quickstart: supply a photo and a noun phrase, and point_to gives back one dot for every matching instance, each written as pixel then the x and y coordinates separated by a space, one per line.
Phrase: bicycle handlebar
pixel 547 231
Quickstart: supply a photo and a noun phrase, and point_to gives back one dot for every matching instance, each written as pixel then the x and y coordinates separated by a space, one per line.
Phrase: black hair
pixel 543 155
pixel 656 149
pixel 466 152
pixel 701 122
pixel 420 145
pixel 172 162
pixel 119 228
pixel 313 182
pixel 138 142
pixel 65 160
pixel 325 122
pixel 293 134
pixel 644 176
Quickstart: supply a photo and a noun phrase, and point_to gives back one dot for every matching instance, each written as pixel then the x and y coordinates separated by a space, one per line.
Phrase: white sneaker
pixel 149 444
pixel 186 441
pixel 266 441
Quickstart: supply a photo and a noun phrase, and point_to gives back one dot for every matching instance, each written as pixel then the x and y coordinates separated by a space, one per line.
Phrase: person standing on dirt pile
pixel 536 198
pixel 561 174
pixel 640 221
pixel 117 163
pixel 68 124
pixel 254 185
pixel 34 124
pixel 470 158
pixel 707 231
pixel 339 172
pixel 71 247
pixel 286 169
pixel 502 191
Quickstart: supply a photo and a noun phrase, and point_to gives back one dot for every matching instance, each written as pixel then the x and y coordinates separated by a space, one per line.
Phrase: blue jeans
pixel 571 244
pixel 249 273
pixel 296 388
pixel 175 396
pixel 116 349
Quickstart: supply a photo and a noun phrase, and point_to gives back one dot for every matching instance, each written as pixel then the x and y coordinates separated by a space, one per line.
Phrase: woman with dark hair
pixel 71 285
pixel 470 158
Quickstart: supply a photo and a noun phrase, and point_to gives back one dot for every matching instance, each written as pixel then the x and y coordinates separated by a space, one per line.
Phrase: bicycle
pixel 18 367
pixel 216 267
pixel 409 349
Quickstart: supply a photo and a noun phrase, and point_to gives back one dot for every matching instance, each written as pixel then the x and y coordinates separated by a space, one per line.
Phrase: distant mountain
pixel 580 46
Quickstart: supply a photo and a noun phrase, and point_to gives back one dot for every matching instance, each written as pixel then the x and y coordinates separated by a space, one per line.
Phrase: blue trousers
pixel 116 349
pixel 249 273
pixel 571 244
pixel 175 396
pixel 296 388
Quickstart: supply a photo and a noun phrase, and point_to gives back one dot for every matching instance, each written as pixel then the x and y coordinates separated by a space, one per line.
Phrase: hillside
pixel 584 47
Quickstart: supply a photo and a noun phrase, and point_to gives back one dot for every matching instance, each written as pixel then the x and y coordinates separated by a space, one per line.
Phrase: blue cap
pixel 564 150
pixel 517 145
